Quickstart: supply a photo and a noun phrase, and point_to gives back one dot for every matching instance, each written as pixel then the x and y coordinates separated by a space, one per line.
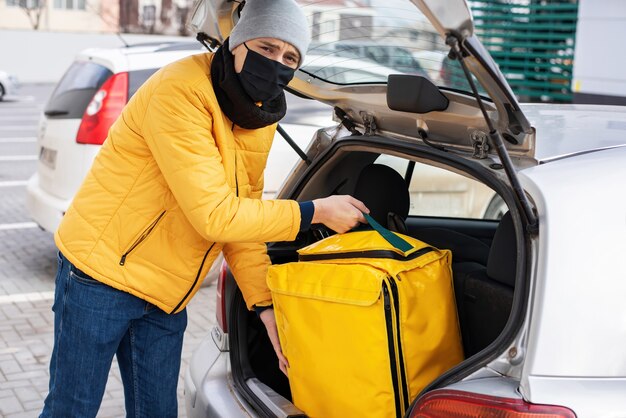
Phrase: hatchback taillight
pixel 104 108
pixel 458 404
pixel 220 306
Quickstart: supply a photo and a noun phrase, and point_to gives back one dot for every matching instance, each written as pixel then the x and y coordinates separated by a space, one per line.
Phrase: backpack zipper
pixel 396 304
pixel 366 254
pixel 232 129
pixel 141 238
pixel 392 351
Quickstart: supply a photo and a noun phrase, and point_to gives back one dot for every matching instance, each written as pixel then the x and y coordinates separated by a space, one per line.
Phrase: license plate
pixel 48 157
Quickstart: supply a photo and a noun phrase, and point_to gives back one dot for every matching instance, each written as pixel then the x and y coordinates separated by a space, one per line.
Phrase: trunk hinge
pixel 208 42
pixel 346 121
pixel 369 123
pixel 480 144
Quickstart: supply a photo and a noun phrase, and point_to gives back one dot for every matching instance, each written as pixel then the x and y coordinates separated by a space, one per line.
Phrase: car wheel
pixel 1 92
pixel 496 208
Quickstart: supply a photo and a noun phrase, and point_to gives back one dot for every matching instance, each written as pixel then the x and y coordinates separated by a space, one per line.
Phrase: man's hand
pixel 267 316
pixel 340 213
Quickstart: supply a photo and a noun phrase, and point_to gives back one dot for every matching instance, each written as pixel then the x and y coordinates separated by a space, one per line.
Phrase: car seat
pixel 484 275
pixel 485 293
pixel 385 193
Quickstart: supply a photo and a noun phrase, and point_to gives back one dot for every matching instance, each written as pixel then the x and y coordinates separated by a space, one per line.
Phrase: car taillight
pixel 104 108
pixel 220 306
pixel 458 404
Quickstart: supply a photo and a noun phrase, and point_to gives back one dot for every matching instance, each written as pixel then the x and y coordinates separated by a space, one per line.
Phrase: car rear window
pixel 363 41
pixel 76 89
pixel 137 78
pixel 79 84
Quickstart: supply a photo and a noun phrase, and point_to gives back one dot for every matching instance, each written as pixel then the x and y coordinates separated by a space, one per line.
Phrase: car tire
pixel 496 208
pixel 1 92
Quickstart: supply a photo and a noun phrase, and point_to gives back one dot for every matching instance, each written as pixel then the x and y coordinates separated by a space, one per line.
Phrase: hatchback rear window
pixel 137 78
pixel 76 89
pixel 353 42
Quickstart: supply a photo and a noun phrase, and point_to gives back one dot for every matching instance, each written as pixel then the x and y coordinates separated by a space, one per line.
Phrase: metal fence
pixel 533 43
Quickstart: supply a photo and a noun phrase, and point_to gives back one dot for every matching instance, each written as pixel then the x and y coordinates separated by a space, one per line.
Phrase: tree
pixel 34 10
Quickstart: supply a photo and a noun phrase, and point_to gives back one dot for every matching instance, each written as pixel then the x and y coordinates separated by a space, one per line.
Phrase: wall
pixel 599 59
pixel 98 16
pixel 43 57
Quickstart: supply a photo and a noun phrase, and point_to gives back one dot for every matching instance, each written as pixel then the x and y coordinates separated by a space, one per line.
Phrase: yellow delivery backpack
pixel 365 323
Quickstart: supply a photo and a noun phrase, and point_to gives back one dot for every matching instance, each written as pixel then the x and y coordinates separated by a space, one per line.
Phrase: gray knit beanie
pixel 280 19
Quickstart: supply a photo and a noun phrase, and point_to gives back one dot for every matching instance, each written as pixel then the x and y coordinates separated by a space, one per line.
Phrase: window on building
pixel 70 4
pixel 29 4
pixel 149 15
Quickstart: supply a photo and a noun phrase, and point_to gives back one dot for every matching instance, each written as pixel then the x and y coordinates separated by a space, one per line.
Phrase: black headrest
pixel 383 190
pixel 502 260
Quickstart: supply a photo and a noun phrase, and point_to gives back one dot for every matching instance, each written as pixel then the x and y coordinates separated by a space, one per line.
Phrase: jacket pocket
pixel 144 235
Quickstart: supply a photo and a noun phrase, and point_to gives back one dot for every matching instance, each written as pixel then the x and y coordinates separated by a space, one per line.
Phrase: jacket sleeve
pixel 249 263
pixel 177 128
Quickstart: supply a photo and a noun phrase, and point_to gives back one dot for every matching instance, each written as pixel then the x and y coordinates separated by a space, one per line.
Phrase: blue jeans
pixel 93 322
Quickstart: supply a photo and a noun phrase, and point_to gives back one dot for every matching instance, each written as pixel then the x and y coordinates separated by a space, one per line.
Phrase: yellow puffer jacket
pixel 174 184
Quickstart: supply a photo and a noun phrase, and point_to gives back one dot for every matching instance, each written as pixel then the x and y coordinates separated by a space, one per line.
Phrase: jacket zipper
pixel 396 305
pixel 141 238
pixel 392 351
pixel 232 129
pixel 236 181
pixel 193 285
pixel 366 254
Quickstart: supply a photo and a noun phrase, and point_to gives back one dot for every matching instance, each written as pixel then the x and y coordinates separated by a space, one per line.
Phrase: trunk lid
pixel 358 44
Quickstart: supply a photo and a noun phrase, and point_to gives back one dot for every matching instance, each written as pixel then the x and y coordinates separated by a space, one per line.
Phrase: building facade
pixel 167 17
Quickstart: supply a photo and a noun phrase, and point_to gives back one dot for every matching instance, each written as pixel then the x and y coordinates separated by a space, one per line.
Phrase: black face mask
pixel 263 78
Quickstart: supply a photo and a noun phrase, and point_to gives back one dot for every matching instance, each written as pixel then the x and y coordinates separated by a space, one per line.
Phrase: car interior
pixel 484 251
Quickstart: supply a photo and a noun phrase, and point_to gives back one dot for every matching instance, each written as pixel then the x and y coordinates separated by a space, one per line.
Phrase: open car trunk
pixel 488 253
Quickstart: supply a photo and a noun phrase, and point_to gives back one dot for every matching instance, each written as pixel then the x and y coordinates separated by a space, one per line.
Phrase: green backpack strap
pixel 389 236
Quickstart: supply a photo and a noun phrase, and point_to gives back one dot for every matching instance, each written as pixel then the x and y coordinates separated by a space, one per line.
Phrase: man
pixel 178 180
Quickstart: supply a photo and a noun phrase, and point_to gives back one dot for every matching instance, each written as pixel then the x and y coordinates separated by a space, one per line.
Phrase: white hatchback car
pixel 76 119
pixel 539 294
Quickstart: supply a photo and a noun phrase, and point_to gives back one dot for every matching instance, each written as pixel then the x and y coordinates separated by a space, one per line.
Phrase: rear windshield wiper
pixel 56 112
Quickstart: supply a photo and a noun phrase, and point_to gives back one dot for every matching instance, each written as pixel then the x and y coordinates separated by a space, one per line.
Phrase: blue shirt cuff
pixel 306 214
pixel 259 309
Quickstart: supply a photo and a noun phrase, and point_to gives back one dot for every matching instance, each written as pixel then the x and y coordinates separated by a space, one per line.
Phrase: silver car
pixel 540 289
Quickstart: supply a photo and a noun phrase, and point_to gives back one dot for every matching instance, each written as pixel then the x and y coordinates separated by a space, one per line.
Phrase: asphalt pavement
pixel 27 271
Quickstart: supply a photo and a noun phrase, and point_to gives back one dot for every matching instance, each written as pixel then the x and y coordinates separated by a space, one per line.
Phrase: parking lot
pixel 27 271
